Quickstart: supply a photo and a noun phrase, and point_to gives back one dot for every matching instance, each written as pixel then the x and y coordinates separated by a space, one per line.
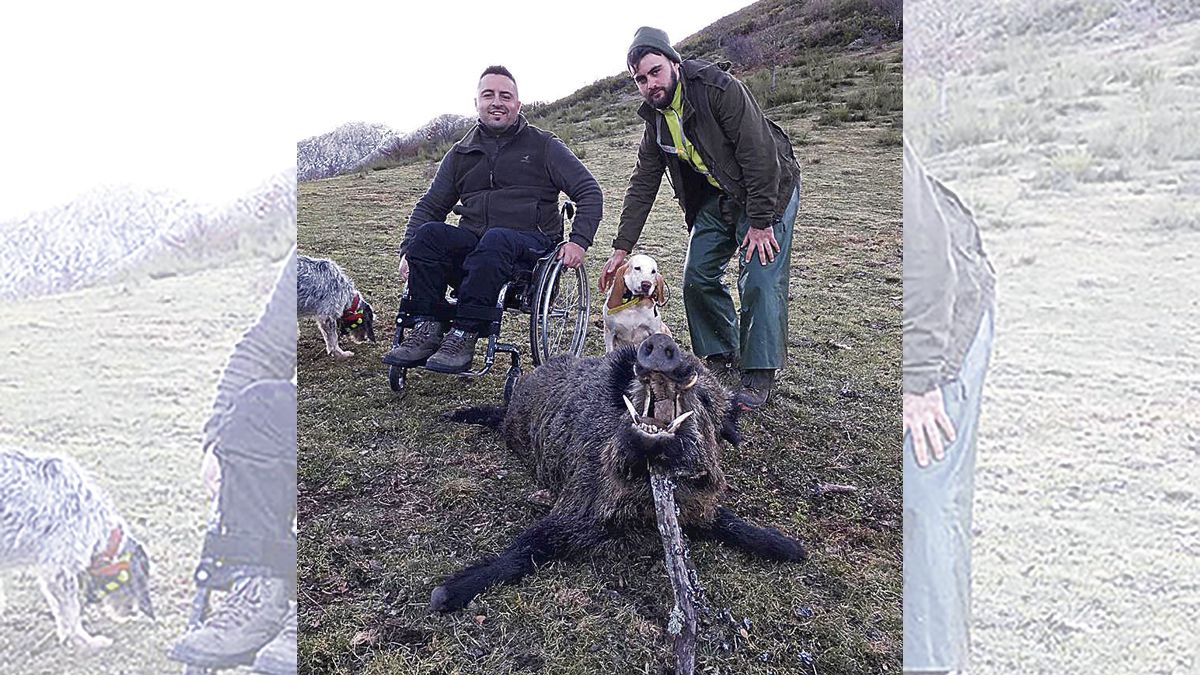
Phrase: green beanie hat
pixel 653 37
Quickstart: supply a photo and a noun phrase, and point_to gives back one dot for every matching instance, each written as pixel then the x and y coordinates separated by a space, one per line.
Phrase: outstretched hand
pixel 609 273
pixel 926 419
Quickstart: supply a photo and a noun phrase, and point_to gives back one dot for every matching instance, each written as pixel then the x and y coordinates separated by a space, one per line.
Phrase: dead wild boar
pixel 589 427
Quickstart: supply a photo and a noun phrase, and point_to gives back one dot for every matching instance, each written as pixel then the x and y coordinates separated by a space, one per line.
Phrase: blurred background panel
pixel 1068 127
pixel 147 204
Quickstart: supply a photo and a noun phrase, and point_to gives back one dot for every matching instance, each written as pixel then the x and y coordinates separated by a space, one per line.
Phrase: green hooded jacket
pixel 749 155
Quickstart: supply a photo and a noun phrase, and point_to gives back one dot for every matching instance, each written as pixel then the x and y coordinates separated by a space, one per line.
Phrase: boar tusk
pixel 632 410
pixel 675 424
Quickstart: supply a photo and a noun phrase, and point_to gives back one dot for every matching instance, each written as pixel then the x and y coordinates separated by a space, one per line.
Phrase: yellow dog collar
pixel 627 304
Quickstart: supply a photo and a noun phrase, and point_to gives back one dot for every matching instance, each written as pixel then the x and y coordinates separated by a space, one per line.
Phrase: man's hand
pixel 403 268
pixel 571 254
pixel 609 273
pixel 762 241
pixel 925 417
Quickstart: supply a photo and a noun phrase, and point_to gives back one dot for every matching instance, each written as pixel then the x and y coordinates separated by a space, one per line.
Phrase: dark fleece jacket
pixel 510 180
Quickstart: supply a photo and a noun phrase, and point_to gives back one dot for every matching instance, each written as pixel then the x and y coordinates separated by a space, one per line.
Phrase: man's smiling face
pixel 497 102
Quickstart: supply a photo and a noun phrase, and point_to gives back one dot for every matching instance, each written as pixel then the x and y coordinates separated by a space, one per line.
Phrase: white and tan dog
pixel 631 312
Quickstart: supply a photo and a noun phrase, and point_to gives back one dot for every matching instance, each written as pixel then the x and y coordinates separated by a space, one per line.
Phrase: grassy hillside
pixel 392 498
pixel 831 61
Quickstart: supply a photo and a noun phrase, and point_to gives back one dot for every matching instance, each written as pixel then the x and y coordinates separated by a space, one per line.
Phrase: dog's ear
pixel 369 320
pixel 660 289
pixel 619 287
pixel 139 581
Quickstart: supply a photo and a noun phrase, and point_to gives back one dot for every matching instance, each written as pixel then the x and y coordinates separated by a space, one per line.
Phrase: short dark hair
pixel 498 70
pixel 638 53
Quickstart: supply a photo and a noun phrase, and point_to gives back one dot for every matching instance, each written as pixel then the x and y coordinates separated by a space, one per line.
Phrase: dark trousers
pixel 757 332
pixel 256 447
pixel 442 256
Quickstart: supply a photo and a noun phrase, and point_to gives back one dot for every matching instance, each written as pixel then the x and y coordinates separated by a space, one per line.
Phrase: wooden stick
pixel 682 624
pixel 38 646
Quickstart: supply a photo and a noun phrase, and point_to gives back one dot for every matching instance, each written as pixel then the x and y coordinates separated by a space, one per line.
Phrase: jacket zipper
pixel 487 203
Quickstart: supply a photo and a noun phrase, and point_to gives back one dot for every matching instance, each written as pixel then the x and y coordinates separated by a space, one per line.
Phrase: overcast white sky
pixel 403 65
pixel 209 98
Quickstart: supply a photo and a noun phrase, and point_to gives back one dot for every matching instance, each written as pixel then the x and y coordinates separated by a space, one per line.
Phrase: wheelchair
pixel 557 301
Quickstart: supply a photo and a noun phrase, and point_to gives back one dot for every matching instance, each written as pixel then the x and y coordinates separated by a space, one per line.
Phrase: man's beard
pixel 668 96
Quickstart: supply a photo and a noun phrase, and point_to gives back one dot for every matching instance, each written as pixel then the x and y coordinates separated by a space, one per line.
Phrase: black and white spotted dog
pixel 324 291
pixel 59 524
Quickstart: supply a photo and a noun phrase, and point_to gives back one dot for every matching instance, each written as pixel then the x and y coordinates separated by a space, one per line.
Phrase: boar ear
pixel 660 291
pixel 619 287
pixel 729 425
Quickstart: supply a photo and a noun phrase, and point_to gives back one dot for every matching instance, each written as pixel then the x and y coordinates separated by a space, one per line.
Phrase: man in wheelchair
pixel 503 180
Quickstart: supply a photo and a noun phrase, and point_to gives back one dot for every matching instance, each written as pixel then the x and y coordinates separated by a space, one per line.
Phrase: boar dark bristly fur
pixel 572 418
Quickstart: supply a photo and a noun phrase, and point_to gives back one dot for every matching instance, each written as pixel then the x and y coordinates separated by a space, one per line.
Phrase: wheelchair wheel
pixel 397 378
pixel 510 383
pixel 559 322
pixel 397 375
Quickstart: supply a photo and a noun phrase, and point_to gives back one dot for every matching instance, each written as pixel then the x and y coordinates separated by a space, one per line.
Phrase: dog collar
pixel 628 299
pixel 106 559
pixel 353 316
pixel 108 571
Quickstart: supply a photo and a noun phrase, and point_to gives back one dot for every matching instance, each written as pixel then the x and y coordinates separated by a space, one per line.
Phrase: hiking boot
pixel 279 657
pixel 420 343
pixel 458 348
pixel 756 389
pixel 250 617
pixel 725 367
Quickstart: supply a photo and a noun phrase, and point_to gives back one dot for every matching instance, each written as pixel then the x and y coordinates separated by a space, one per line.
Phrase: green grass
pixel 392 499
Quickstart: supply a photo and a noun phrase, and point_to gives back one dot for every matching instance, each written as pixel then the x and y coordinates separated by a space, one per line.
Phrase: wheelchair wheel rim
pixel 562 313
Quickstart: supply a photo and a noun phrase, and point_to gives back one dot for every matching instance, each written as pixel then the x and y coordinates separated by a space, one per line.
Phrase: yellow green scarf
pixel 683 146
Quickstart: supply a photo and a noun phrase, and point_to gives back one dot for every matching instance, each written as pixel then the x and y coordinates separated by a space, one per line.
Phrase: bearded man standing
pixel 734 174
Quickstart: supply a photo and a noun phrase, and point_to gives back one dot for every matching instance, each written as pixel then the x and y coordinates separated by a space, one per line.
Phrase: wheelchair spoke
pixel 561 312
pixel 564 309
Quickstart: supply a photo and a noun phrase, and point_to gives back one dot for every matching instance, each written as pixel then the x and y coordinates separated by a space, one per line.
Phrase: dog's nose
pixel 646 285
pixel 659 352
